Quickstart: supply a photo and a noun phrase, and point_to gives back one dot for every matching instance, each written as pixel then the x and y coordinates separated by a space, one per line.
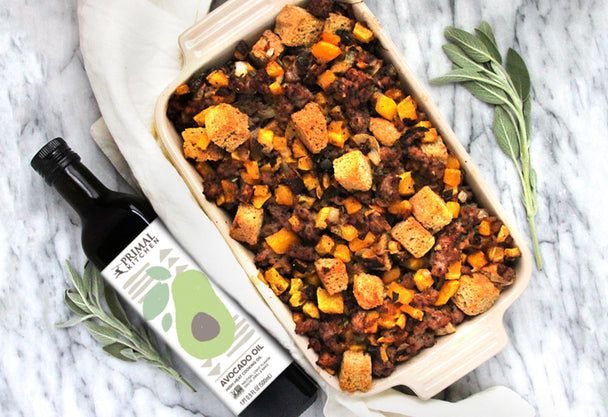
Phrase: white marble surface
pixel 558 355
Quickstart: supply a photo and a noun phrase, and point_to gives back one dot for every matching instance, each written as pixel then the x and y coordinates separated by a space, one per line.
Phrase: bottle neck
pixel 79 187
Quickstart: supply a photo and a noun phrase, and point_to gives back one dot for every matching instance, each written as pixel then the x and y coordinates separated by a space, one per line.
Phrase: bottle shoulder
pixel 113 222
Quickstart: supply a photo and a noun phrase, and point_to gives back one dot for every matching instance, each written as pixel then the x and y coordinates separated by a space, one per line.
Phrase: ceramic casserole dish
pixel 211 42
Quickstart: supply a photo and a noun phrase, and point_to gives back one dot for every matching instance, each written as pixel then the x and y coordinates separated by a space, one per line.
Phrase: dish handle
pixel 209 36
pixel 478 343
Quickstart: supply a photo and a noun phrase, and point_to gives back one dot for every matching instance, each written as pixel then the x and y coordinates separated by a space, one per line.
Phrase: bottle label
pixel 212 334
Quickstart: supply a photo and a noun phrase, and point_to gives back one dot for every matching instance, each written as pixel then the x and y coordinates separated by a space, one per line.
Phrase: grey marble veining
pixel 558 355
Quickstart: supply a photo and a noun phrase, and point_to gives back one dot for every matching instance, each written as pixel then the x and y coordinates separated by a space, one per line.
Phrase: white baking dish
pixel 211 41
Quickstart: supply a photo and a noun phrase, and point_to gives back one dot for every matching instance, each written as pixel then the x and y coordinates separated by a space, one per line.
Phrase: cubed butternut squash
pixel 357 244
pixel 412 312
pixel 325 246
pixel 330 304
pixel 342 253
pixel 452 177
pixel 274 69
pixel 283 195
pixel 406 184
pixel 399 294
pixel 448 289
pixel 362 34
pixel 352 205
pixel 386 107
pixel 454 208
pixel 325 51
pixel 326 79
pixel 218 79
pixel 278 284
pixel 406 109
pixel 423 279
pixel 280 241
pixel 477 259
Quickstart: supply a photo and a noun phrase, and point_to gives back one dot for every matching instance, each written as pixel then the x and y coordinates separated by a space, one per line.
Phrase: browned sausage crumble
pixel 358 215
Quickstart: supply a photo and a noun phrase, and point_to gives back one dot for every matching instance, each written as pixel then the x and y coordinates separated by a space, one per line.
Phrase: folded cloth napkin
pixel 130 54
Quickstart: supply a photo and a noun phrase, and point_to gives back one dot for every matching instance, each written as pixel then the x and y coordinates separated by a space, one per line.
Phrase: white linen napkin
pixel 130 54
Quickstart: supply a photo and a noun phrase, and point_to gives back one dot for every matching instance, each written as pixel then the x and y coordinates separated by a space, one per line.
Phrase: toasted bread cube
pixel 297 27
pixel 435 150
pixel 330 303
pixel 267 48
pixel 413 237
pixel 430 209
pixel 195 143
pixel 247 224
pixel 227 127
pixel 383 130
pixel 353 171
pixel 475 295
pixel 368 290
pixel 333 274
pixel 336 22
pixel 356 371
pixel 311 127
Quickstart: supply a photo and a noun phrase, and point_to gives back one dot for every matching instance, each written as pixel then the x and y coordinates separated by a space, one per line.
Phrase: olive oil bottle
pixel 226 348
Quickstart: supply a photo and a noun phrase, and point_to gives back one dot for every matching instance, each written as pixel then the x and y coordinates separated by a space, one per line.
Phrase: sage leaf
pixel 116 349
pixel 77 300
pixel 517 70
pixel 472 46
pixel 486 35
pixel 506 133
pixel 73 306
pixel 73 321
pixel 488 93
pixel 76 279
pixel 158 273
pixel 458 57
pixel 114 305
pixel 131 354
pixel 155 301
pixel 527 110
pixel 167 321
pixel 103 335
pixel 97 286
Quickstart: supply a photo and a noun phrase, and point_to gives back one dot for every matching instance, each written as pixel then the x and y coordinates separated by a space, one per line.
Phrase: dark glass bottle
pixel 111 221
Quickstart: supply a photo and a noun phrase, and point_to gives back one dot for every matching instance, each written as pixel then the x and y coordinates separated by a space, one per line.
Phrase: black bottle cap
pixel 52 159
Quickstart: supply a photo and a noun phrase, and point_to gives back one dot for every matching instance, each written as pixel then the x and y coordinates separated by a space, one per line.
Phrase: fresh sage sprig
pixel 98 308
pixel 478 66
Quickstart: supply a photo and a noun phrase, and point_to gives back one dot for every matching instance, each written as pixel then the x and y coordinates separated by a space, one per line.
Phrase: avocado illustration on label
pixel 205 328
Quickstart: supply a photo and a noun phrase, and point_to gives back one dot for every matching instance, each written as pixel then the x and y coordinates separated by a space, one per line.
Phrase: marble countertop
pixel 558 355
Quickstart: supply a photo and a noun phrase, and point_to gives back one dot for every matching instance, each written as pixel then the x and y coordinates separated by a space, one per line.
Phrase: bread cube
pixel 475 295
pixel 430 209
pixel 297 27
pixel 330 303
pixel 353 171
pixel 368 290
pixel 332 273
pixel 336 22
pixel 383 130
pixel 227 127
pixel 435 150
pixel 413 237
pixel 267 48
pixel 247 224
pixel 356 371
pixel 311 127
